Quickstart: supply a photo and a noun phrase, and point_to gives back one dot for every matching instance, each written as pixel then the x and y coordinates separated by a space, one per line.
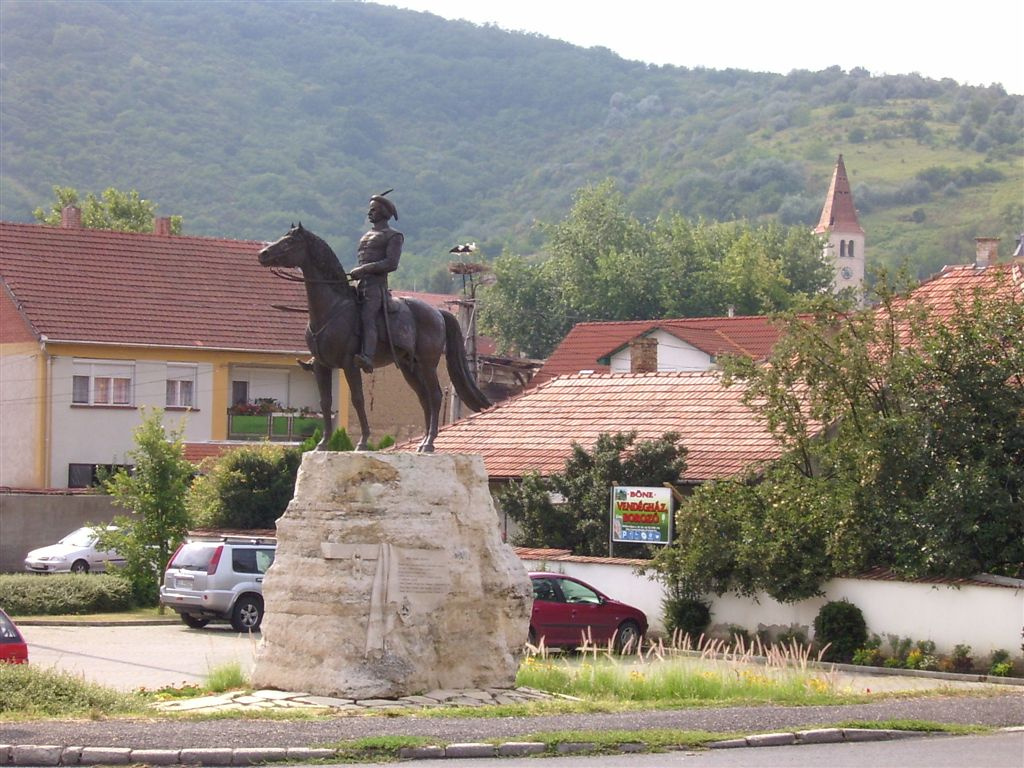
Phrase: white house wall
pixel 986 618
pixel 674 354
pixel 19 416
pixel 85 434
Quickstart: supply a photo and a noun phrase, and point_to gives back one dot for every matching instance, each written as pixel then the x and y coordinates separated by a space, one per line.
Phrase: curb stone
pixel 53 755
pixel 816 736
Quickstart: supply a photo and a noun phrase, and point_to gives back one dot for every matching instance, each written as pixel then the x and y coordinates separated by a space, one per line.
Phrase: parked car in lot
pixel 566 611
pixel 75 553
pixel 13 648
pixel 219 579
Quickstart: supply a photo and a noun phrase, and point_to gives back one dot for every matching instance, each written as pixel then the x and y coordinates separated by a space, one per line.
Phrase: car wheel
pixel 80 566
pixel 628 637
pixel 195 622
pixel 532 637
pixel 247 614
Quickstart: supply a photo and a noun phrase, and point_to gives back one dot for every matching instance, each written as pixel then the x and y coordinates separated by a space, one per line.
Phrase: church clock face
pixel 846 272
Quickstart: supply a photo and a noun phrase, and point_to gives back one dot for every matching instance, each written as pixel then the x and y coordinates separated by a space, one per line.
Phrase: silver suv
pixel 219 578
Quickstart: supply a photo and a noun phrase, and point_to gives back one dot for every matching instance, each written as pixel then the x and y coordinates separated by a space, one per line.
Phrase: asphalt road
pixel 132 657
pixel 1001 750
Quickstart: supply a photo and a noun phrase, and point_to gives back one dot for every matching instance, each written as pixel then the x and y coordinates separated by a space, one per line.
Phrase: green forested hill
pixel 245 116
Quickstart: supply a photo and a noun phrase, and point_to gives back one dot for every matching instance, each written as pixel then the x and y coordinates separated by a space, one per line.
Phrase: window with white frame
pixel 103 382
pixel 181 385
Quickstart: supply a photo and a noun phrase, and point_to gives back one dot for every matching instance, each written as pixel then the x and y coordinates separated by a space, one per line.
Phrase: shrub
pixel 1000 664
pixel 686 616
pixel 900 648
pixel 840 625
pixel 40 692
pixel 32 595
pixel 246 488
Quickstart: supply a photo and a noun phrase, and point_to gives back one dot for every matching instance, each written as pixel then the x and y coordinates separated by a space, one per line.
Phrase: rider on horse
pixel 378 254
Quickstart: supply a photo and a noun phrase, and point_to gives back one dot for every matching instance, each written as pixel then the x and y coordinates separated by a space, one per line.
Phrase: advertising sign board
pixel 641 514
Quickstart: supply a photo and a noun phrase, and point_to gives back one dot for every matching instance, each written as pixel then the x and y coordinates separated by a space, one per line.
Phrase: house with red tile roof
pixel 678 344
pixel 576 398
pixel 96 324
pixel 534 432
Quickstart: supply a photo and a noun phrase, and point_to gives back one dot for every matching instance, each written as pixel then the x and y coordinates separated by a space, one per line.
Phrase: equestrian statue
pixel 357 328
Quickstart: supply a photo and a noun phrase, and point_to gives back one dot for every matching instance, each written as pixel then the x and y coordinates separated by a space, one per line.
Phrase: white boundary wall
pixel 982 616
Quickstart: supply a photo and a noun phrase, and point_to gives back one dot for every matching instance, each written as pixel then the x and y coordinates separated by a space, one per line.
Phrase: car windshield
pixel 83 537
pixel 193 557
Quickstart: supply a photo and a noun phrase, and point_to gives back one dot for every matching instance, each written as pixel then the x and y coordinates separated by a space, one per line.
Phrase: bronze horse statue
pixel 419 335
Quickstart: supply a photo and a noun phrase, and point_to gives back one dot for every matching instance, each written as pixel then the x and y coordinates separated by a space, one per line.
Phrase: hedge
pixel 61 594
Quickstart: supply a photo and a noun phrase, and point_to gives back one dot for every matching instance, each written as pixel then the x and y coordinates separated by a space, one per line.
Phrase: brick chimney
pixel 162 225
pixel 71 217
pixel 987 251
pixel 643 355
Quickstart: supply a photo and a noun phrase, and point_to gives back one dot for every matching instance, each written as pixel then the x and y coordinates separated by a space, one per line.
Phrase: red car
pixel 567 610
pixel 13 647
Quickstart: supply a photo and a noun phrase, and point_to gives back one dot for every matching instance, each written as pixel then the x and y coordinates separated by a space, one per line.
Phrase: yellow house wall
pixel 61 434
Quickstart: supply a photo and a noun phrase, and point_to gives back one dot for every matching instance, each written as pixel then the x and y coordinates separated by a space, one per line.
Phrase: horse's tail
pixel 458 367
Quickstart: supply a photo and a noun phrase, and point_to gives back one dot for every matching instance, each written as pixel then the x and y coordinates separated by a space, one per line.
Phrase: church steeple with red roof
pixel 839 223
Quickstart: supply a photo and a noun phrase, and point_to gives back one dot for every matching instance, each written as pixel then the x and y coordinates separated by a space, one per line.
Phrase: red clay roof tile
pixel 588 343
pixel 535 431
pixel 137 289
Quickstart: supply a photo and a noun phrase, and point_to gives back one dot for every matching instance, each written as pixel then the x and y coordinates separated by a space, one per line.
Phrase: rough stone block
pixel 469 750
pixel 820 736
pixel 105 756
pixel 519 748
pixel 207 756
pixel 37 754
pixel 156 756
pixel 385 563
pixel 259 755
pixel 771 739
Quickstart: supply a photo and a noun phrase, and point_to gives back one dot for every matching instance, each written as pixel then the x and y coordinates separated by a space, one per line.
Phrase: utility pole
pixel 466 312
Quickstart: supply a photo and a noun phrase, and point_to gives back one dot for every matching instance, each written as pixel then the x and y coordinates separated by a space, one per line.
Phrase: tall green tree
pixel 580 521
pixel 603 263
pixel 905 449
pixel 113 209
pixel 154 491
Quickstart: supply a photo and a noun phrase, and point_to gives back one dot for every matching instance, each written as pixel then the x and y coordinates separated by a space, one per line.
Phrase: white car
pixel 75 553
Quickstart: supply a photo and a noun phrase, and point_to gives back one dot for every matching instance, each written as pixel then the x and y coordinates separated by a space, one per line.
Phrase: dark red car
pixel 567 610
pixel 13 647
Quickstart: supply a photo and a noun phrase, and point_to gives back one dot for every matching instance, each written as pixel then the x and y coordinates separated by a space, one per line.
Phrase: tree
pixel 246 488
pixel 919 467
pixel 124 211
pixel 153 491
pixel 580 523
pixel 605 264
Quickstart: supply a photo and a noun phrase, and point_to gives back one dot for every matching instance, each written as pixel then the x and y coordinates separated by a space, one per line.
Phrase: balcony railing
pixel 281 427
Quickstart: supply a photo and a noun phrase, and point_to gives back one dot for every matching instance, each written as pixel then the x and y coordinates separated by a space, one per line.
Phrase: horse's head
pixel 287 251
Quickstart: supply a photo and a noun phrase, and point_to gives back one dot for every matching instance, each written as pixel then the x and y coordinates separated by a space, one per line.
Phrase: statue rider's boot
pixel 365 362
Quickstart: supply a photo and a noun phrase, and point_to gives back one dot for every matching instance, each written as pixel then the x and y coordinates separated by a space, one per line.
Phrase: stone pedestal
pixel 391 579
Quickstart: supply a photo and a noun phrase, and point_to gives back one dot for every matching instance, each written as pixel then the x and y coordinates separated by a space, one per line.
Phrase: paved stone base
pixel 271 699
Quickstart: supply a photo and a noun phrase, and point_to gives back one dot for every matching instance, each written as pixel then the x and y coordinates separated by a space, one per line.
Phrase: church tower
pixel 845 244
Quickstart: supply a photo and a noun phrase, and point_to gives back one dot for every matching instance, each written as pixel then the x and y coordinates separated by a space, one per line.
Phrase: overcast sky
pixel 979 43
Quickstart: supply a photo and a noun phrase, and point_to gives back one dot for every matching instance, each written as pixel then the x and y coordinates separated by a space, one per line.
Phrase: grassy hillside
pixel 246 116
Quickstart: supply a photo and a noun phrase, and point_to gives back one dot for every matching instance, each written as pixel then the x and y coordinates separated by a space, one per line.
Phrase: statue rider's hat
pixel 388 205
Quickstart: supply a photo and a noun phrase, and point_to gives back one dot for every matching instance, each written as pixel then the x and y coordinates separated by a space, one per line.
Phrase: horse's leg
pixel 355 388
pixel 436 396
pixel 322 373
pixel 418 385
pixel 429 389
